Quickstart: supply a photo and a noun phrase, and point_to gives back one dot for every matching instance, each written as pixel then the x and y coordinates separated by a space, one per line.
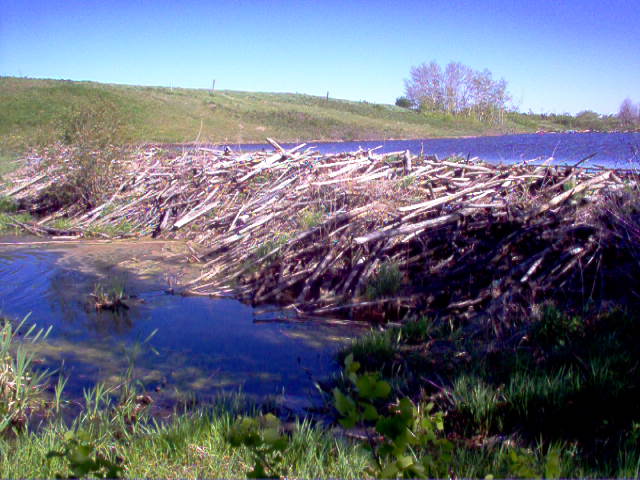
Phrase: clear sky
pixel 556 55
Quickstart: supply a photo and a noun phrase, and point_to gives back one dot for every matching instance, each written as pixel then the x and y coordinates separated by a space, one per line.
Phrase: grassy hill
pixel 34 111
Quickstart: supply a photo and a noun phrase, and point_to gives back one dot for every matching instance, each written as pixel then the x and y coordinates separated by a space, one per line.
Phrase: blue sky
pixel 556 55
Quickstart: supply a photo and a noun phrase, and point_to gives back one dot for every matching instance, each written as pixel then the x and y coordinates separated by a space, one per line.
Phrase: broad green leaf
pixel 390 471
pixel 382 389
pixel 369 412
pixel 404 462
pixel 344 404
pixel 366 386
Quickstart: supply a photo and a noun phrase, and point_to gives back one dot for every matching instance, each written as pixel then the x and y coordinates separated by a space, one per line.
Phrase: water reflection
pixel 200 345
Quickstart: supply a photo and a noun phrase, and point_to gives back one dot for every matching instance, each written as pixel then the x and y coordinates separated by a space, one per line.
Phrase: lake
pixel 612 150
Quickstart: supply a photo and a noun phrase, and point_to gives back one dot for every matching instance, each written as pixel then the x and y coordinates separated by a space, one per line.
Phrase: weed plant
pixel 20 385
pixel 310 218
pixel 385 283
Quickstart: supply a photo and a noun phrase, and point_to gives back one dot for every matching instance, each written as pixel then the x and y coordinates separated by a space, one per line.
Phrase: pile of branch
pixel 310 231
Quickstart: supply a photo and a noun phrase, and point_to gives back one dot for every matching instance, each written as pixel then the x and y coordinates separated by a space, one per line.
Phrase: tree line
pixel 456 89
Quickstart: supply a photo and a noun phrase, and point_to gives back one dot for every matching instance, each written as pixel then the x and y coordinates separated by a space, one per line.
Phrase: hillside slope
pixel 34 111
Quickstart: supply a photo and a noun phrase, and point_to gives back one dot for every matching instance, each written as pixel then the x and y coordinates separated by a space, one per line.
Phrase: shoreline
pixel 298 142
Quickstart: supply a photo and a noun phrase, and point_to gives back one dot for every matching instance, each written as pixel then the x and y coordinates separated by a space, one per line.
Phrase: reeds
pixel 20 384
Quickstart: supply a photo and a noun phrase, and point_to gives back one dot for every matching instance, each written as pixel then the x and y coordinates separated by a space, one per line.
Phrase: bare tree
pixel 425 87
pixel 628 112
pixel 458 89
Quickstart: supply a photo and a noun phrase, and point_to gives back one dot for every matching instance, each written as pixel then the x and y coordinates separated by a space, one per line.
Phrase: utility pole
pixel 213 85
pixel 327 96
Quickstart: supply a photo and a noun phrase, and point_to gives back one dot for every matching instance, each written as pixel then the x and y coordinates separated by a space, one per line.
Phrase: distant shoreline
pixel 296 142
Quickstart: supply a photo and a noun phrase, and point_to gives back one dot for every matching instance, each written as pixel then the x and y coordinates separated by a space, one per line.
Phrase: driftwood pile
pixel 311 231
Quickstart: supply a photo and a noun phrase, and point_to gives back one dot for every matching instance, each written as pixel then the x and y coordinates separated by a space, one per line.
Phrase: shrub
pixel 403 102
pixel 95 136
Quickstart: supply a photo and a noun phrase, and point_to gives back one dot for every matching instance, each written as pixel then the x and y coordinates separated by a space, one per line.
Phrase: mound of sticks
pixel 310 231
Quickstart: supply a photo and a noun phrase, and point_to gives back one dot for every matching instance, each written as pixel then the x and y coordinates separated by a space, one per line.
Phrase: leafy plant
pixel 556 329
pixel 310 218
pixel 401 430
pixel 83 460
pixel 406 182
pixel 264 439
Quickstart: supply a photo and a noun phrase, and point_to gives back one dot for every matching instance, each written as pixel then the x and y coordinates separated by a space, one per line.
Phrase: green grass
pixel 7 204
pixel 570 380
pixel 310 218
pixel 116 424
pixel 20 386
pixel 6 226
pixel 386 282
pixel 35 111
pixel 8 162
pixel 122 228
pixel 193 445
pixel 62 223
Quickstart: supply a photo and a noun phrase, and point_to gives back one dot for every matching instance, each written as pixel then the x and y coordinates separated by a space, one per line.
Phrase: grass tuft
pixel 385 283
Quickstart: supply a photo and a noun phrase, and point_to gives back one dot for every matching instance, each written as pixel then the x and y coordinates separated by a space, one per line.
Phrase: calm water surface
pixel 614 150
pixel 201 346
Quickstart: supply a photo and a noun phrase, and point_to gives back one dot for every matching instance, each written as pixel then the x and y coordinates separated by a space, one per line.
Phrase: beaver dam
pixel 360 234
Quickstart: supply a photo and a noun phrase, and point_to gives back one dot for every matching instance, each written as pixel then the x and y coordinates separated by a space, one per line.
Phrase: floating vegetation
pixel 110 297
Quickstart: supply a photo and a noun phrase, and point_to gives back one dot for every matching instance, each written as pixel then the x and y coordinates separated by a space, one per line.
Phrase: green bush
pixel 95 136
pixel 403 102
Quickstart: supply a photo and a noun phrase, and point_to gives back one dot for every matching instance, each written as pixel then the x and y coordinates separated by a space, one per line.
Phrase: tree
pixel 458 89
pixel 424 88
pixel 628 112
pixel 404 102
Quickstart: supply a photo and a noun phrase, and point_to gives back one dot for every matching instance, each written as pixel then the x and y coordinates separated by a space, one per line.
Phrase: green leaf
pixel 344 404
pixel 390 471
pixel 406 407
pixel 369 412
pixel 382 389
pixel 257 472
pixel 348 422
pixel 350 365
pixel 366 386
pixel 390 427
pixel 270 421
pixel 404 462
pixel 281 444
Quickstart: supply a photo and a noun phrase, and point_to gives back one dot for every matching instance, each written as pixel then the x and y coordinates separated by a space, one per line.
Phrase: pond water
pixel 201 346
pixel 613 150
